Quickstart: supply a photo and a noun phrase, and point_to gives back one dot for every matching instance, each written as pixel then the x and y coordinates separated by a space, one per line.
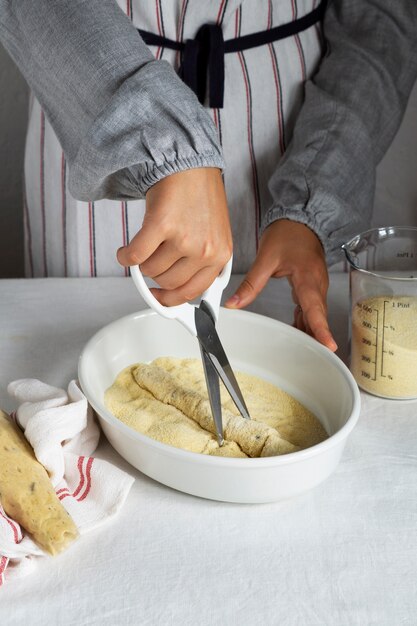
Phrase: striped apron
pixel 263 92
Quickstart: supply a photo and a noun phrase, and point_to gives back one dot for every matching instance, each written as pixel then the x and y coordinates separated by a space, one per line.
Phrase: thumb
pixel 251 286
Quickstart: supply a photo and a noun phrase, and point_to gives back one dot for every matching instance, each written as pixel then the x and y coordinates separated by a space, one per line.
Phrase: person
pixel 116 137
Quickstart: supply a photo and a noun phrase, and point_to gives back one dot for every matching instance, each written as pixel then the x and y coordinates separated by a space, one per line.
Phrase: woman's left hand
pixel 293 250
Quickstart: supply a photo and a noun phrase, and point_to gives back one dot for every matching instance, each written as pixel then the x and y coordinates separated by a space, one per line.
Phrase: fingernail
pixel 329 342
pixel 233 301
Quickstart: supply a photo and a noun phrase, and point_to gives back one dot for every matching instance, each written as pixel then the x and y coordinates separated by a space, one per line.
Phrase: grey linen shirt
pixel 125 120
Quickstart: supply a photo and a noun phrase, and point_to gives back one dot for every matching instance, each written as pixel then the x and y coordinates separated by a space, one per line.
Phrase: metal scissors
pixel 200 320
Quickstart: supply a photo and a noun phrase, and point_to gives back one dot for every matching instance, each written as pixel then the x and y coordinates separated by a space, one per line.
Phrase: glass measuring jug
pixel 383 313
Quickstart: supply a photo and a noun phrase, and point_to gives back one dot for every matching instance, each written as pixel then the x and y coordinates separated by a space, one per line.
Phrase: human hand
pixel 185 240
pixel 291 249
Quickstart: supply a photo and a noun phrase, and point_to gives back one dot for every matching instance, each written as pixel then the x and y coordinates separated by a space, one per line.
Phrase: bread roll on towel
pixel 27 494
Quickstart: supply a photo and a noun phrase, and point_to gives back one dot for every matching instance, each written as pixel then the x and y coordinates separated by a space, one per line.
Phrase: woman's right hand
pixel 185 240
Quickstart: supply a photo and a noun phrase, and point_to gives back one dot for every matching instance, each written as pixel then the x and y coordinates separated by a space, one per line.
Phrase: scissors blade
pixel 213 389
pixel 210 342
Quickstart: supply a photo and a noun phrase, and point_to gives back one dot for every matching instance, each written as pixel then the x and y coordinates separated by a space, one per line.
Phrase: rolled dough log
pixel 266 402
pixel 138 409
pixel 167 400
pixel 27 494
pixel 254 438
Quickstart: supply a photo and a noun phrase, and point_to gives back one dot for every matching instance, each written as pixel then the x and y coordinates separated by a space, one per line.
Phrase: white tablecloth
pixel 344 554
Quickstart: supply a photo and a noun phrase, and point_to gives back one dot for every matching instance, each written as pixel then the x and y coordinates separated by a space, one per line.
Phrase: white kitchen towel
pixel 61 429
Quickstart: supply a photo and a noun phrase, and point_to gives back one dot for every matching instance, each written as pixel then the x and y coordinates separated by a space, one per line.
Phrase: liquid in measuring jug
pixel 384 345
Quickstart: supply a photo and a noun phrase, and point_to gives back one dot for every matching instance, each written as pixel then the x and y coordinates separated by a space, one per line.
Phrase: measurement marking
pixel 383 340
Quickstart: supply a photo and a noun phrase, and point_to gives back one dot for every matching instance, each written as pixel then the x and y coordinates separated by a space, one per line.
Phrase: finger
pixel 253 283
pixel 299 319
pixel 315 314
pixel 164 257
pixel 181 273
pixel 190 290
pixel 143 244
pixel 310 295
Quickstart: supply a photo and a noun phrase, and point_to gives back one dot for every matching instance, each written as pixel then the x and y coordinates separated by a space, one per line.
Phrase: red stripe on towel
pixel 88 474
pixel 13 526
pixel 84 482
pixel 3 564
pixel 17 535
pixel 82 477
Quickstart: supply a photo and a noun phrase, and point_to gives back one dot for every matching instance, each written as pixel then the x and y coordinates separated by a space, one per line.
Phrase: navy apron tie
pixel 202 58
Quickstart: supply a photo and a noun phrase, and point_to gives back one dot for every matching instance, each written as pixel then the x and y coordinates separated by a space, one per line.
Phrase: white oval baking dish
pixel 254 344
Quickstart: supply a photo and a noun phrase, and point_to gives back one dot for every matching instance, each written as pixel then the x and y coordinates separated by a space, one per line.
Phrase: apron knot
pixel 203 63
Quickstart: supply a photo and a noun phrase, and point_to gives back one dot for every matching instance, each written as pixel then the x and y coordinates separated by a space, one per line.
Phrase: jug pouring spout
pixel 350 248
pixel 387 249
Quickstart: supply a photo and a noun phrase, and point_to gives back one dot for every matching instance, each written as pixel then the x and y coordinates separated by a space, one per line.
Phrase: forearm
pixel 352 109
pixel 124 119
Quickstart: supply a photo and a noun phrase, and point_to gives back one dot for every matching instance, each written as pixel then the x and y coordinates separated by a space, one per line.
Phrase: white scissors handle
pixel 184 313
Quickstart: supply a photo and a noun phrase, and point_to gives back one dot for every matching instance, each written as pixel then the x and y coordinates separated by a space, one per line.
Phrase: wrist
pixel 196 174
pixel 297 231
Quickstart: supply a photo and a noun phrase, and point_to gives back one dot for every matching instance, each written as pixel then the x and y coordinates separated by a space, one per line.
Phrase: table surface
pixel 342 554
